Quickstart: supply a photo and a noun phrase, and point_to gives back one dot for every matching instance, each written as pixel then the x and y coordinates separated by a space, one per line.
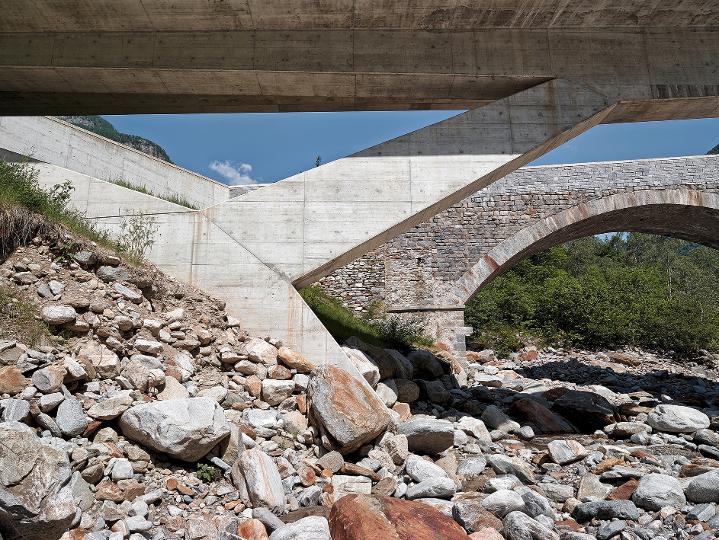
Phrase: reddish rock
pixel 370 517
pixel 624 492
pixel 403 410
pixel 486 534
pixel 12 380
pixel 294 360
pixel 109 491
pixel 252 529
pixel 347 412
pixel 528 354
pixel 542 418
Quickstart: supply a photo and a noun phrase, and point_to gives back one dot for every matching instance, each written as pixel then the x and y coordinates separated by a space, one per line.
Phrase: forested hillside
pixel 97 124
pixel 633 289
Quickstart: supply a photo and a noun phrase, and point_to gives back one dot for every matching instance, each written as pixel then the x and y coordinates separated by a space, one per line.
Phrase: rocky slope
pixel 152 415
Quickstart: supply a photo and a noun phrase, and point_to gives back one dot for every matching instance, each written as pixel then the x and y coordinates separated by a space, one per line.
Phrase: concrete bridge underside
pixel 534 75
pixel 131 56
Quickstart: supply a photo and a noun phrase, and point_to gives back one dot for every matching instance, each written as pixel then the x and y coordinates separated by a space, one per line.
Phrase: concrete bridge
pixel 431 271
pixel 534 74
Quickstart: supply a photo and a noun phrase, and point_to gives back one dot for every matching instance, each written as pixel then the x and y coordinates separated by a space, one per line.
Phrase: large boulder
pixel 655 491
pixel 588 411
pixel 183 428
pixel 35 495
pixel 346 411
pixel 704 488
pixel 677 419
pixel 371 517
pixel 542 418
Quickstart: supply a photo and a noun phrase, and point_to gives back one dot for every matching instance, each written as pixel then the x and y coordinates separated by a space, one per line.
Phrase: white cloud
pixel 235 173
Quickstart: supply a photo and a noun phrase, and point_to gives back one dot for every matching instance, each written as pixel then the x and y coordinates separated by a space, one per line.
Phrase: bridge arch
pixel 686 213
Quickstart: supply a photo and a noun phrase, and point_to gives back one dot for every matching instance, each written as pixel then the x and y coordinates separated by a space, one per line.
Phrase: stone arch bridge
pixel 432 270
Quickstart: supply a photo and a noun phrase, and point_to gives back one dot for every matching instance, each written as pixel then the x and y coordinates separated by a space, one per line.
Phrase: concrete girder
pixel 129 56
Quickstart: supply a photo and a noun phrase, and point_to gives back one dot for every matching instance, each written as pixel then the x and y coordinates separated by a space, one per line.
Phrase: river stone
pixel 112 407
pixel 183 428
pixel 308 528
pixel 105 361
pixel 71 418
pixel 704 488
pixel 372 517
pixel 36 499
pixel 57 315
pixel 275 391
pixel 442 488
pixel 427 435
pixel 677 419
pixel 420 469
pixel 564 452
pixel 112 273
pixel 495 418
pixel 502 502
pixel 656 491
pixel 364 365
pixel 256 473
pixel 605 510
pixel 49 379
pixel 345 409
pixel 14 410
pixel 519 526
pixel 12 381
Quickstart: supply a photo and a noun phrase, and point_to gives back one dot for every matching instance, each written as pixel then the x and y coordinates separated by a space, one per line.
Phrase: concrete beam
pixel 290 62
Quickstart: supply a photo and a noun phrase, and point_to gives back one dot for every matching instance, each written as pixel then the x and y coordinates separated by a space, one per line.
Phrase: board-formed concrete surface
pixel 433 269
pixel 298 230
pixel 53 141
pixel 191 248
pixel 123 56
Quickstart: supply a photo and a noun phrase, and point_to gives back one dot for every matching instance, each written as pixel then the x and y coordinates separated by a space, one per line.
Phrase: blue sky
pixel 269 147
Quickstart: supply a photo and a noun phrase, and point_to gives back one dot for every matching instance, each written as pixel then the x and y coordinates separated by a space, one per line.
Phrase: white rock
pixel 122 469
pixel 112 407
pixel 364 365
pixel 387 392
pixel 183 428
pixel 173 390
pixel 564 452
pixel 502 502
pixel 57 315
pixel 275 391
pixel 309 528
pixel 149 346
pixel 105 361
pixel 258 350
pixel 655 491
pixel 677 419
pixel 420 469
pixel 476 428
pixel 345 484
pixel 432 487
pixel 257 473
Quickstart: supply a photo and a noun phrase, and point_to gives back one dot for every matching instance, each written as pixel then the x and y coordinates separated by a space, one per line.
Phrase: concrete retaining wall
pixel 56 142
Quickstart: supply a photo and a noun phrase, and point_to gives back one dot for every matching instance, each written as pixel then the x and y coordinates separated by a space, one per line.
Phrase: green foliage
pixel 19 187
pixel 138 235
pixel 342 323
pixel 633 289
pixel 175 199
pixel 206 473
pixel 399 332
pixel 97 124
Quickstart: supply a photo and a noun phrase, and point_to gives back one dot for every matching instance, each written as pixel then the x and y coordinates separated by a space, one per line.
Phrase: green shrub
pixel 634 289
pixel 206 473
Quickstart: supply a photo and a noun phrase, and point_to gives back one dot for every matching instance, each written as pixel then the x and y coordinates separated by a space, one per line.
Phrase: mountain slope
pixel 99 125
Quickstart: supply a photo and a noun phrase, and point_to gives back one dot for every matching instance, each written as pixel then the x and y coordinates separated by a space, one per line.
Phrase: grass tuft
pixel 19 320
pixel 175 199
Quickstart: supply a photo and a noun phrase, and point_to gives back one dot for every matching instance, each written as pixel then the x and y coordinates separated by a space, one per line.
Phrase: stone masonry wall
pixel 416 268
